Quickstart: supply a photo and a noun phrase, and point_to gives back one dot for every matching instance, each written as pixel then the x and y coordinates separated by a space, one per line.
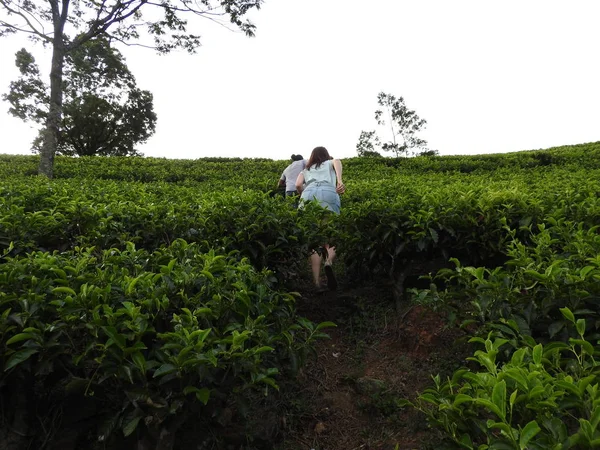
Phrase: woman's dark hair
pixel 318 156
pixel 297 157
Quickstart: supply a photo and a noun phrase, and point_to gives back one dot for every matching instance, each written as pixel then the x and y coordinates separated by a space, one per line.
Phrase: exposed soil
pixel 349 396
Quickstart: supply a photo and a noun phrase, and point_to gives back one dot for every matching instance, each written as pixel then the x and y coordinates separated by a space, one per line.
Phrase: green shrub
pixel 543 397
pixel 153 337
pixel 558 267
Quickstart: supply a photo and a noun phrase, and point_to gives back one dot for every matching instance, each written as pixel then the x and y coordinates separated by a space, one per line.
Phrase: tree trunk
pixel 53 120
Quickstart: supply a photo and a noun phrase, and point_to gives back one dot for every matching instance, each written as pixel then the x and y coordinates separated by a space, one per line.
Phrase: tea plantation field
pixel 157 304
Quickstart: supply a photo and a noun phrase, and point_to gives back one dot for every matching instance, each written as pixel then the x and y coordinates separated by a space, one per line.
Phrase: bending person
pixel 290 174
pixel 321 180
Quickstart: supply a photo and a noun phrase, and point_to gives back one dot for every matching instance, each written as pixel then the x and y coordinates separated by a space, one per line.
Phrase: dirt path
pixel 348 395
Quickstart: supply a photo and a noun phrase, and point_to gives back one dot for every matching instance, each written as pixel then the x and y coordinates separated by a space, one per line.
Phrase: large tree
pixel 104 112
pixel 66 25
pixel 403 123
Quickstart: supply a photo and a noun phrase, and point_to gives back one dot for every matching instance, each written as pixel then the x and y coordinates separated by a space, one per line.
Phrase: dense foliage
pixel 154 338
pixel 167 280
pixel 66 26
pixel 104 112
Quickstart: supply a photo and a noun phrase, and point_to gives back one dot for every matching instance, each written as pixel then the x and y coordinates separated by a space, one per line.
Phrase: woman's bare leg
pixel 315 265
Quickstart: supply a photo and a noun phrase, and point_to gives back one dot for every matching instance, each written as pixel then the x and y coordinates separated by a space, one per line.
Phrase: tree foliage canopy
pixel 66 25
pixel 104 113
pixel 368 142
pixel 161 25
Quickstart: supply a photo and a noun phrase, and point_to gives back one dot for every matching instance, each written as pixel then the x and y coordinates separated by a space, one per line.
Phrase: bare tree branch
pixel 21 13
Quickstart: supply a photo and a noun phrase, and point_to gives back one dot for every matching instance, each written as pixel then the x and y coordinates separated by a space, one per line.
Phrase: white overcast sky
pixel 488 76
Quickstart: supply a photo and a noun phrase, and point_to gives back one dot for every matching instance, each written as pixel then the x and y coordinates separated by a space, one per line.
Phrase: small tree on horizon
pixel 404 124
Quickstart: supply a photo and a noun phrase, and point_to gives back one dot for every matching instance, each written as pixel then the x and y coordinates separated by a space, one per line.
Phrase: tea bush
pixel 59 215
pixel 559 268
pixel 154 338
pixel 544 396
pixel 153 291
